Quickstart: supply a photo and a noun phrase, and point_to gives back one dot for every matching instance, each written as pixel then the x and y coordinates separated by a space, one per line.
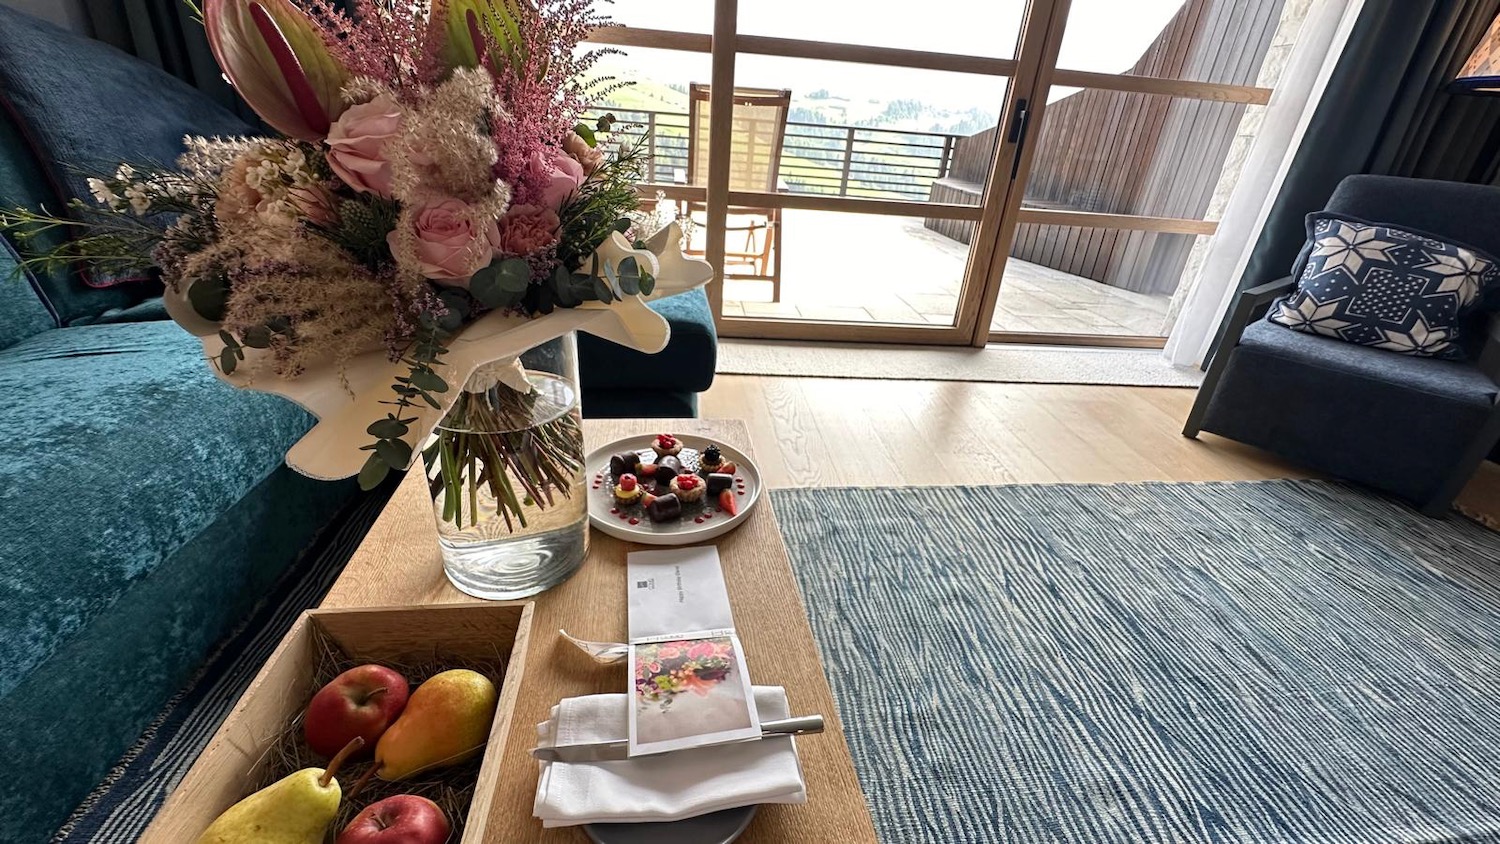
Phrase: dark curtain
pixel 1386 111
pixel 164 33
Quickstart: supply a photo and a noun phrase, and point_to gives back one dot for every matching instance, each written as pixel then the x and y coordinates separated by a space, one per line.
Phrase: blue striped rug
pixel 122 806
pixel 1287 661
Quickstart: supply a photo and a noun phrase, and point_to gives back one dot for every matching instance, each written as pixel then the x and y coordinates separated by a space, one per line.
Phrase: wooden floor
pixel 840 432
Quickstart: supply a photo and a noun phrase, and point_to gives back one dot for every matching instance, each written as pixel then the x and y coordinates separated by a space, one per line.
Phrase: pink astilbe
pixel 383 40
pixel 542 86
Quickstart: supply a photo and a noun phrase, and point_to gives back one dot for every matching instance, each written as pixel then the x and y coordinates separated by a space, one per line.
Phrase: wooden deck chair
pixel 759 130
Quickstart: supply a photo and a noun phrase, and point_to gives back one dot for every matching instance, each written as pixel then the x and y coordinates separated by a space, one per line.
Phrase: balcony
pixel 859 267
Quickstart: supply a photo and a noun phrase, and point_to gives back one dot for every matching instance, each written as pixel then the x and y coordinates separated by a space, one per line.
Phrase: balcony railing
pixel 816 158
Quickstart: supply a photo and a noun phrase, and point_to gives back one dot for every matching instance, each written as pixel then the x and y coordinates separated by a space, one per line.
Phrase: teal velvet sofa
pixel 144 505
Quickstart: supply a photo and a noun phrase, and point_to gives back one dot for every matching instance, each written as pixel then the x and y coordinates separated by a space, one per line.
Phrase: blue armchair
pixel 1414 427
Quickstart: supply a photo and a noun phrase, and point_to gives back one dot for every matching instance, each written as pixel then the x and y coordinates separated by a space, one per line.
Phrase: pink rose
pixel 590 158
pixel 525 229
pixel 557 174
pixel 356 145
pixel 450 245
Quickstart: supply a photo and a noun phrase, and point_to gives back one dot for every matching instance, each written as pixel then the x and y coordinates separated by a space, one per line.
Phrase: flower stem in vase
pixel 496 440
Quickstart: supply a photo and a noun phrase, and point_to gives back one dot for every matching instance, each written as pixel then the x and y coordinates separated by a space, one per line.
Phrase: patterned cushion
pixel 1381 286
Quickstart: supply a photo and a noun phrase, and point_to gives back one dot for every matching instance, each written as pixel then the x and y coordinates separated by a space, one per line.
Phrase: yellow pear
pixel 296 809
pixel 446 720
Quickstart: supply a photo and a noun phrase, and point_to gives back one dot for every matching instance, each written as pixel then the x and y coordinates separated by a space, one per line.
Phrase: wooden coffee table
pixel 399 564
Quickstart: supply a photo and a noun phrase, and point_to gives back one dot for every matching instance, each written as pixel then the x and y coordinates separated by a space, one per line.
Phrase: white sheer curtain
pixel 1324 34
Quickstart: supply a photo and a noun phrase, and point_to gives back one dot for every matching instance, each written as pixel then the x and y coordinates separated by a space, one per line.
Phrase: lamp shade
pixel 1481 73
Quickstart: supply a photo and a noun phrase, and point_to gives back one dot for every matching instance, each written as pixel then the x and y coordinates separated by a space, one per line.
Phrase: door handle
pixel 1020 123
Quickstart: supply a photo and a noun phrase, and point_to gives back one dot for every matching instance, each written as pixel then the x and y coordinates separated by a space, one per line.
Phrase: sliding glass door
pixel 1001 170
pixel 1142 124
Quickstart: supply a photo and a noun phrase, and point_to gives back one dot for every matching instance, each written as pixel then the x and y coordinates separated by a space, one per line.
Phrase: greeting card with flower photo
pixel 689 684
pixel 689 693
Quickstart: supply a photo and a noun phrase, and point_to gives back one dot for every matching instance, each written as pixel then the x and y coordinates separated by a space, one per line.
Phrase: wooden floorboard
pixel 845 432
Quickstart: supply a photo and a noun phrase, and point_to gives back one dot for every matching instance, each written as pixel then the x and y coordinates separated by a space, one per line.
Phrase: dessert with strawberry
pixel 711 460
pixel 627 489
pixel 666 444
pixel 689 488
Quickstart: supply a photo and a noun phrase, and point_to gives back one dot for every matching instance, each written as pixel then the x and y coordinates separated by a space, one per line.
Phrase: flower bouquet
pixel 434 208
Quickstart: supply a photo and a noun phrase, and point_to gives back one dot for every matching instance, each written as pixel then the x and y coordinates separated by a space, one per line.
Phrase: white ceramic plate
pixel 700 522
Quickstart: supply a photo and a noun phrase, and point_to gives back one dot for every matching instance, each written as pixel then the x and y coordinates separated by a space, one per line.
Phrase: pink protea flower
pixel 357 145
pixel 277 59
pixel 450 246
pixel 525 229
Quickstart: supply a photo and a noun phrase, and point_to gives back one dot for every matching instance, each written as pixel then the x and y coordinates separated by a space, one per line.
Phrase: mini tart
pixel 665 444
pixel 689 488
pixel 628 490
pixel 710 460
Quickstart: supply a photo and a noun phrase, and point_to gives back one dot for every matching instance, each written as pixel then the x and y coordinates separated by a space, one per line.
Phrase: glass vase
pixel 505 469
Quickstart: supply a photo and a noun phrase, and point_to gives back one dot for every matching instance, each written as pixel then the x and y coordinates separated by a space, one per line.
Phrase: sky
pixel 1105 36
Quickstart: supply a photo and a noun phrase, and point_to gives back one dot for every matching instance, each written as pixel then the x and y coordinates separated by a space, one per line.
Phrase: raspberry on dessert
pixel 666 444
pixel 628 489
pixel 689 488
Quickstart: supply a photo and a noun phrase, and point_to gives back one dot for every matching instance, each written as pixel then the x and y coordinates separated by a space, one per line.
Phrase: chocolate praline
pixel 665 508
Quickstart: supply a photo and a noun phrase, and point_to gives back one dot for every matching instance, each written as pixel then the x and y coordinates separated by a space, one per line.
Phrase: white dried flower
pixel 104 194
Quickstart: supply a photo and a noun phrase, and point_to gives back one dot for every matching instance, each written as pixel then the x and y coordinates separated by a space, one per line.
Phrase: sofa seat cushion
pixel 1394 422
pixel 127 447
pixel 686 365
pixel 1456 381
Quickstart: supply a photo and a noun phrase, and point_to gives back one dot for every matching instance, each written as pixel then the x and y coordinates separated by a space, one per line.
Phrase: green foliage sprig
pixel 390 451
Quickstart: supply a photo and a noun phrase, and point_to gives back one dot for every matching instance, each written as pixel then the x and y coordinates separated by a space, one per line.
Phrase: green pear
pixel 296 809
pixel 446 721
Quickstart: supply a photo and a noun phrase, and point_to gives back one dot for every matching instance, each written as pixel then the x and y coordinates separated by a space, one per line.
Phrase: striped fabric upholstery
pixel 1273 662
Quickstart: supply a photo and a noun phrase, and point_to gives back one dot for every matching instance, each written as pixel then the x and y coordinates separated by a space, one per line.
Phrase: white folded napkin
pixel 664 787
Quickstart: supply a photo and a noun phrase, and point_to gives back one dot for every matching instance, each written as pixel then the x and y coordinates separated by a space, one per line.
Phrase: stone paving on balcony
pixel 869 268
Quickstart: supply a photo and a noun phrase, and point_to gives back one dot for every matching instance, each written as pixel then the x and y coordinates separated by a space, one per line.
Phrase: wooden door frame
pixel 1030 75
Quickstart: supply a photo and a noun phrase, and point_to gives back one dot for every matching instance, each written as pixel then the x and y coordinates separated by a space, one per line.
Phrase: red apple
pixel 403 819
pixel 361 702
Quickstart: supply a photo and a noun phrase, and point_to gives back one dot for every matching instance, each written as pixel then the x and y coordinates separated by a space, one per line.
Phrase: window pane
pixel 1232 42
pixel 1115 152
pixel 962 27
pixel 654 105
pixel 691 16
pixel 1073 280
pixel 862 131
pixel 829 272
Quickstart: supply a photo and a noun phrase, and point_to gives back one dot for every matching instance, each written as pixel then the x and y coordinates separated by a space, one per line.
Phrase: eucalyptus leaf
pixel 647 283
pixel 209 297
pixel 602 290
pixel 426 379
pixel 583 130
pixel 623 225
pixel 373 472
pixel 227 361
pixel 459 308
pixel 485 287
pixel 395 453
pixel 388 429
pixel 546 299
pixel 514 275
pixel 630 285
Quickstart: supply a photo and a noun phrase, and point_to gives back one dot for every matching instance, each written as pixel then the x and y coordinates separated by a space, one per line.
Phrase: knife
pixel 613 751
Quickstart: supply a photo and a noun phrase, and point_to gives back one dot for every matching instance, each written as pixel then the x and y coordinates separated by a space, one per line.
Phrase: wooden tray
pixel 235 758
